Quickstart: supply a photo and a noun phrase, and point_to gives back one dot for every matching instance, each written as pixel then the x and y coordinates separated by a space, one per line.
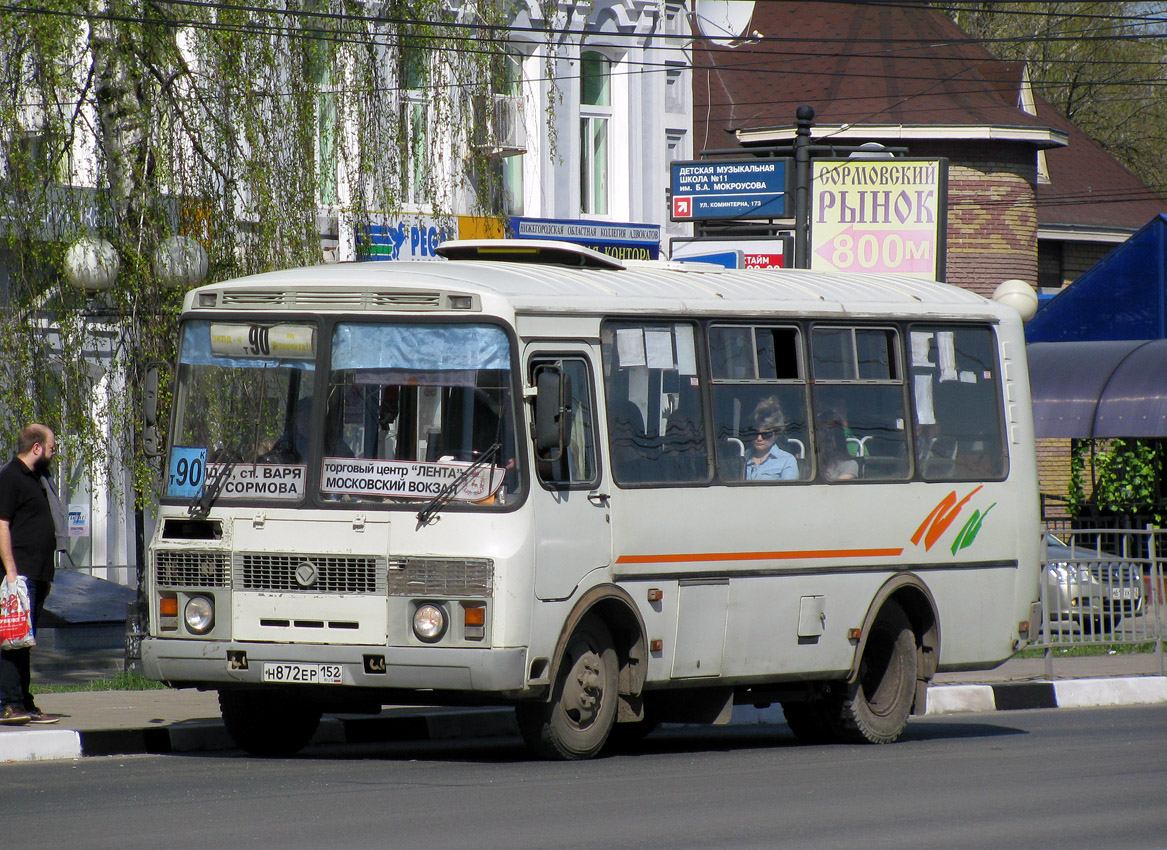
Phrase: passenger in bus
pixel 764 460
pixel 835 460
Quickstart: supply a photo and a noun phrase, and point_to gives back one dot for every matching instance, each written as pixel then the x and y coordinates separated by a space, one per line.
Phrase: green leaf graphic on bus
pixel 969 533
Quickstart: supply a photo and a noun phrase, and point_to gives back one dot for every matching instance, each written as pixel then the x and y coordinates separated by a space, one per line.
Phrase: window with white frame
pixel 320 61
pixel 413 76
pixel 677 57
pixel 511 86
pixel 595 113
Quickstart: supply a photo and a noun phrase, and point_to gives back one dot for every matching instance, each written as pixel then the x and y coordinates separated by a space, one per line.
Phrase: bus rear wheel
pixel 582 710
pixel 875 708
pixel 268 724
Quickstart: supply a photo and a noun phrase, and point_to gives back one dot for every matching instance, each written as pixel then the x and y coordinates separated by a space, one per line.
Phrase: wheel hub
pixel 584 691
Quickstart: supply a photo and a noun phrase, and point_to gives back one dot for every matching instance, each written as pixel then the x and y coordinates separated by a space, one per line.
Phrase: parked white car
pixel 1086 590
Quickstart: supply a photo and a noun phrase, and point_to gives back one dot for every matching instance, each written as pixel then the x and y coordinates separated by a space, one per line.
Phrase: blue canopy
pixel 1123 296
pixel 1098 349
pixel 1103 388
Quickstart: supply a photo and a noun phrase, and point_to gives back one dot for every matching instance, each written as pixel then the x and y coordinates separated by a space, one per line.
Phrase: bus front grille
pixel 191 568
pixel 308 573
pixel 441 577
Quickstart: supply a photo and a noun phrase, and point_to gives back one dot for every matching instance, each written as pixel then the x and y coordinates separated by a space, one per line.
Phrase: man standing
pixel 28 540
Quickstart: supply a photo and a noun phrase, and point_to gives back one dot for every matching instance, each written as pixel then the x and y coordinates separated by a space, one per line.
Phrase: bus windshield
pixel 413 407
pixel 242 390
pixel 405 410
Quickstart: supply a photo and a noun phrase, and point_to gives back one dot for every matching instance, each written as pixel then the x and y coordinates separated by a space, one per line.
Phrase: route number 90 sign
pixel 188 471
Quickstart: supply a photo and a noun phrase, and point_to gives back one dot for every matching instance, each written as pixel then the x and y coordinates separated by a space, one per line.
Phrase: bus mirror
pixel 150 411
pixel 552 412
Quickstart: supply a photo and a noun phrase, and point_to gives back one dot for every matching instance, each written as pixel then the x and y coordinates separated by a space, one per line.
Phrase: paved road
pixel 1029 780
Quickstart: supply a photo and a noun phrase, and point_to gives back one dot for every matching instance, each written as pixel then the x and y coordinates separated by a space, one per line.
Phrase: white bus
pixel 608 494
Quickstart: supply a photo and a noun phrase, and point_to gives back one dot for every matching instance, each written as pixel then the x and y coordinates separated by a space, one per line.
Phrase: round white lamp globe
pixel 1019 295
pixel 180 261
pixel 92 264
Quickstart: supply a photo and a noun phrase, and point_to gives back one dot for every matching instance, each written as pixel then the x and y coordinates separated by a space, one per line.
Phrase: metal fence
pixel 1103 587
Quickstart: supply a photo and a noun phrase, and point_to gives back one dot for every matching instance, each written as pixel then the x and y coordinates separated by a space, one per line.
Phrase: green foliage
pixel 240 126
pixel 1100 64
pixel 127 681
pixel 1126 477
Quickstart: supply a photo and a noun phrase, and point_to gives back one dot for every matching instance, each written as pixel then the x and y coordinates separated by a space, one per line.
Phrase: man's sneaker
pixel 40 718
pixel 10 715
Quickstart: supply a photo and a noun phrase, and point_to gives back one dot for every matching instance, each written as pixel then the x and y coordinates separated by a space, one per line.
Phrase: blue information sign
pixel 187 474
pixel 742 189
pixel 619 240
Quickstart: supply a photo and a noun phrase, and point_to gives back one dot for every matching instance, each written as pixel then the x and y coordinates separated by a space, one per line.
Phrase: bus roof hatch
pixel 540 251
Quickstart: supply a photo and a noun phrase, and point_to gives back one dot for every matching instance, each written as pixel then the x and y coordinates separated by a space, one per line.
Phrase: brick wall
pixel 992 224
pixel 1077 257
pixel 1053 474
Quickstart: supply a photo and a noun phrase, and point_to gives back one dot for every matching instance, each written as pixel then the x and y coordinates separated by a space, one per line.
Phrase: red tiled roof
pixel 893 63
pixel 869 63
pixel 1088 187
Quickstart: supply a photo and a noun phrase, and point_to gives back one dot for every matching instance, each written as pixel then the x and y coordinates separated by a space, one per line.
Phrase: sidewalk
pixel 164 721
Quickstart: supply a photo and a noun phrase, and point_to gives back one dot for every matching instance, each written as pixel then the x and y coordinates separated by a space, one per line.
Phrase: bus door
pixel 572 530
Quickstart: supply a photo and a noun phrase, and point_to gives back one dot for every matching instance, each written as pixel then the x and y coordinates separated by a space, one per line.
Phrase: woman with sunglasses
pixel 764 460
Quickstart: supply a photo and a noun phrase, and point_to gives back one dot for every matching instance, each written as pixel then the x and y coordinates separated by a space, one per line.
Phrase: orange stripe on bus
pixel 758 556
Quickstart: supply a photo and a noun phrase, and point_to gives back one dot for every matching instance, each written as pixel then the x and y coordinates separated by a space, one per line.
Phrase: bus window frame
pixel 999 380
pixel 897 367
pixel 805 475
pixel 699 324
pixel 543 356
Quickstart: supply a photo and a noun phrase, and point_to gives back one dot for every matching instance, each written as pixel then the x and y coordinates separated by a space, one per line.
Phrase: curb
pixel 436 724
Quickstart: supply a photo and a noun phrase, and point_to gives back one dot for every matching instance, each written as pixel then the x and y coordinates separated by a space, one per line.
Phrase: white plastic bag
pixel 15 615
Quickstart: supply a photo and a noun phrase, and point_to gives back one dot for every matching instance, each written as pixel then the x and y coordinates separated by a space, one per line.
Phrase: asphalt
pixel 98 723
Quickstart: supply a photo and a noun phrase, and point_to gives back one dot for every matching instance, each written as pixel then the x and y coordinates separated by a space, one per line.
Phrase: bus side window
pixel 759 387
pixel 576 466
pixel 957 405
pixel 859 388
pixel 656 423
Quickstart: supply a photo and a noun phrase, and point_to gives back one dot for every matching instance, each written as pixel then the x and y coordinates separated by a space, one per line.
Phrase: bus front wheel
pixel 577 720
pixel 875 708
pixel 268 724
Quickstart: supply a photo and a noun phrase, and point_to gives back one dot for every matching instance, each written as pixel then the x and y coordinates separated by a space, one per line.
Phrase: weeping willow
pixel 258 129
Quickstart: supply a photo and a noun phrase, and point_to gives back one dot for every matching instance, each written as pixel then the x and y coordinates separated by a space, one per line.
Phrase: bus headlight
pixel 199 614
pixel 429 622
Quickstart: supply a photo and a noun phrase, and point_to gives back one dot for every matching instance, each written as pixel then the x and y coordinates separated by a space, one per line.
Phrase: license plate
pixel 303 674
pixel 1124 593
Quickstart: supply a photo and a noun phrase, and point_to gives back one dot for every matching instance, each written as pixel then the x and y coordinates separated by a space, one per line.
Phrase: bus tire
pixel 268 724
pixel 875 708
pixel 810 721
pixel 577 720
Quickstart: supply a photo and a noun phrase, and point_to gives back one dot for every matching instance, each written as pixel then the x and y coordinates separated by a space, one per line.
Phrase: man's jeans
pixel 15 664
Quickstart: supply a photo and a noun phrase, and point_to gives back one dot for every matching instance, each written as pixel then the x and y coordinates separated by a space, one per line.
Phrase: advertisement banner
pixel 414 237
pixel 409 479
pixel 885 216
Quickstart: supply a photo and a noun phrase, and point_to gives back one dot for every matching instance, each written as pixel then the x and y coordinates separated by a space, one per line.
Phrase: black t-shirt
pixel 30 519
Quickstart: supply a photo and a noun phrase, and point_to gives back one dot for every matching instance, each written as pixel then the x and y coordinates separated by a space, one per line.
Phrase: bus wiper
pixel 210 495
pixel 447 493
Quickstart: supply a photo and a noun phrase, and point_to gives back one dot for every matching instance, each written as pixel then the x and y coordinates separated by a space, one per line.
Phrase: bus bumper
pixel 214 663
